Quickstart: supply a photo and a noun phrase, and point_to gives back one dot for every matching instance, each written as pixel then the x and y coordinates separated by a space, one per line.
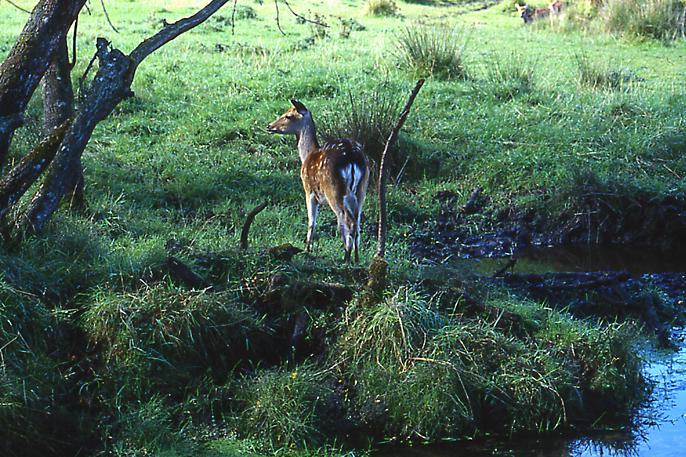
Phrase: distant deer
pixel 529 14
pixel 337 172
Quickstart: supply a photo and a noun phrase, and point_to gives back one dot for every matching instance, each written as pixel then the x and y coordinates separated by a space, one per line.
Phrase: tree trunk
pixel 58 107
pixel 111 85
pixel 28 61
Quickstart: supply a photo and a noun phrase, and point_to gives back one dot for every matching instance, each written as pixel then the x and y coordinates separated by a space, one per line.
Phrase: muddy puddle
pixel 658 429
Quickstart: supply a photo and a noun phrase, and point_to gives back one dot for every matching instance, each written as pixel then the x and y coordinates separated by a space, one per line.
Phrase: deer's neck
pixel 307 140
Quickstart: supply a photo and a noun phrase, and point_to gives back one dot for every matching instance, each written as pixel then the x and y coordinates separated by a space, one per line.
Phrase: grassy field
pixel 96 337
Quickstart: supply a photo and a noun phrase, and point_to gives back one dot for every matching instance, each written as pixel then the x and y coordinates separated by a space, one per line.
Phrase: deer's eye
pixel 289 116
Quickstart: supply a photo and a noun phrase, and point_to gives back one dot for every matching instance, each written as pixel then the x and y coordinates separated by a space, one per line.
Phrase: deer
pixel 337 172
pixel 529 15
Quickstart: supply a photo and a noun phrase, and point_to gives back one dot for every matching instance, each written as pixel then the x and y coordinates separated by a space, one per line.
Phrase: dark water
pixel 659 429
pixel 589 258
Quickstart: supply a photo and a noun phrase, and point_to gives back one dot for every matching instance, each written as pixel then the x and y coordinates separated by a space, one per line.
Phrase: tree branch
pixel 22 176
pixel 172 31
pixel 29 59
pixel 248 222
pixel 111 85
pixel 383 169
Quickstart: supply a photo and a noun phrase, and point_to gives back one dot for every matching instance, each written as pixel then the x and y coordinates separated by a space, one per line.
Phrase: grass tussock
pixel 507 76
pixel 652 19
pixel 367 117
pixel 658 19
pixel 163 336
pixel 596 75
pixel 436 50
pixel 410 367
pixel 381 8
pixel 285 408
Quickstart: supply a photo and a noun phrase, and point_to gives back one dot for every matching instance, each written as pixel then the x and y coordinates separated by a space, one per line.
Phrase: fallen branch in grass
pixel 248 222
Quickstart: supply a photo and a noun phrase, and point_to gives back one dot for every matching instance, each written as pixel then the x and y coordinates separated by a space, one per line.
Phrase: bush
pixel 432 51
pixel 382 8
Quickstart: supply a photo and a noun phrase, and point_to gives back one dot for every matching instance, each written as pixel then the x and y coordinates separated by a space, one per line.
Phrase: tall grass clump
pixel 658 19
pixel 432 51
pixel 285 408
pixel 162 338
pixel 381 8
pixel 368 118
pixel 411 372
pixel 507 76
pixel 600 75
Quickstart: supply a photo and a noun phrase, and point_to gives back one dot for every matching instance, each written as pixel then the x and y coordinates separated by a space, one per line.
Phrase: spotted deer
pixel 529 14
pixel 337 172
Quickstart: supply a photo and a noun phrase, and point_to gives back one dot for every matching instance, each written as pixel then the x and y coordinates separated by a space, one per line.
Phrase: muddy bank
pixel 596 220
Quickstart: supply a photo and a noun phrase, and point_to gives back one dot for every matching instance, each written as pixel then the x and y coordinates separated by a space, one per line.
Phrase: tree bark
pixel 28 61
pixel 58 107
pixel 22 176
pixel 111 85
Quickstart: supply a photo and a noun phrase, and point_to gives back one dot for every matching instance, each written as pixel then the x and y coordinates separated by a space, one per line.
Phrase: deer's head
pixel 292 121
pixel 524 12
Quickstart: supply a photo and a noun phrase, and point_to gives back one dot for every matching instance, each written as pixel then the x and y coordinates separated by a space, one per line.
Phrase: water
pixel 659 429
pixel 589 258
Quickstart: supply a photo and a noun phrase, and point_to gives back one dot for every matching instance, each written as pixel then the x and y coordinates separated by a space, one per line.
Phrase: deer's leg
pixel 344 230
pixel 312 210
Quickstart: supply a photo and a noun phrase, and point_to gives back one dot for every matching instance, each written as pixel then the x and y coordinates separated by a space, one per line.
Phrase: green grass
pixel 118 352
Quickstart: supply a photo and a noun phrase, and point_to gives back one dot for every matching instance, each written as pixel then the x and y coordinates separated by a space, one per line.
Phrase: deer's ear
pixel 298 106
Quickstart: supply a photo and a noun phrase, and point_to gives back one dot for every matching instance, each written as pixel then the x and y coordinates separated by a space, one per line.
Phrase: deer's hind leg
pixel 312 210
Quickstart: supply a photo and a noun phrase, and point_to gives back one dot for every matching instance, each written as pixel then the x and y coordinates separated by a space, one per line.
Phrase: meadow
pixel 579 134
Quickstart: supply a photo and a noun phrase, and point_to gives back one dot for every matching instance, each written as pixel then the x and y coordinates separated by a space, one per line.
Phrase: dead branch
pixel 470 206
pixel 383 169
pixel 508 266
pixel 248 222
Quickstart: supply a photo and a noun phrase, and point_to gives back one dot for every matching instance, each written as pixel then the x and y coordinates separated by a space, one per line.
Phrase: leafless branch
pixel 172 31
pixel 301 17
pixel 278 20
pixel 107 16
pixel 73 51
pixel 233 18
pixel 383 169
pixel 18 7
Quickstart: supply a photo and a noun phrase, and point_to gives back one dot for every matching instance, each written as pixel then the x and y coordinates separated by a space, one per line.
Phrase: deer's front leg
pixel 312 210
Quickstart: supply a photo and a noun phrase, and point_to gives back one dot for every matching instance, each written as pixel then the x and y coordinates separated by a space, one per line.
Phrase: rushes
pixel 432 51
pixel 597 75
